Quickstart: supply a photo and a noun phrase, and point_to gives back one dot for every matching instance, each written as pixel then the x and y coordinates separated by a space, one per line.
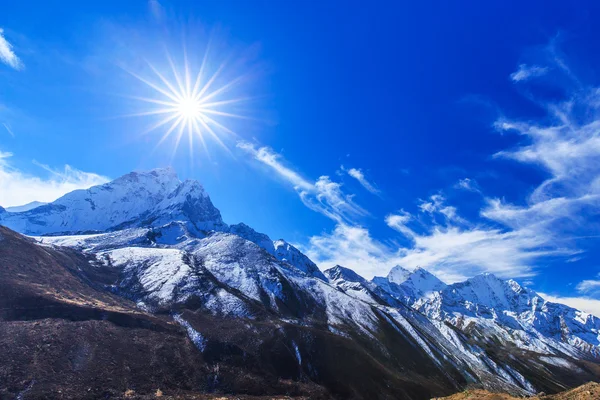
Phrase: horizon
pixel 403 142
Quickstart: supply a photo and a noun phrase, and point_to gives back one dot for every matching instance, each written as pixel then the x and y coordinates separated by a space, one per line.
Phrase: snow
pixel 398 275
pixel 25 207
pixel 288 253
pixel 138 198
pixel 159 271
pixel 409 286
pixel 297 353
pixel 559 362
pixel 169 243
pixel 513 314
pixel 260 239
pixel 195 336
pixel 350 283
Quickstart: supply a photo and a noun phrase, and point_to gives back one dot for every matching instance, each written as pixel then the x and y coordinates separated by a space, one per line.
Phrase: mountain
pixel 25 207
pixel 498 310
pixel 136 199
pixel 223 308
pixel 409 286
pixel 288 253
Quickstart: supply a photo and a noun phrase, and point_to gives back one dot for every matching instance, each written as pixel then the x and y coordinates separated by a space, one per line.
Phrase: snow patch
pixel 195 336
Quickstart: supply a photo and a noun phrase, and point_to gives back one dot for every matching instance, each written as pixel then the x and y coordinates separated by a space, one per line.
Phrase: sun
pixel 194 104
pixel 189 108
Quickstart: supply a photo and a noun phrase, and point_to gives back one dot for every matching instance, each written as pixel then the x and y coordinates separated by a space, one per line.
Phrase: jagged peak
pixel 263 240
pixel 347 274
pixel 158 174
pixel 189 186
pixel 486 278
pixel 398 275
pixel 423 272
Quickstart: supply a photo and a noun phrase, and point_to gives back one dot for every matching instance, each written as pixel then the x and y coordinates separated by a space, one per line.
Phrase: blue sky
pixel 463 139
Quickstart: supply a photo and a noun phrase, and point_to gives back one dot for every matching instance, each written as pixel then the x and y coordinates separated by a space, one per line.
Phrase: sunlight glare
pixel 193 107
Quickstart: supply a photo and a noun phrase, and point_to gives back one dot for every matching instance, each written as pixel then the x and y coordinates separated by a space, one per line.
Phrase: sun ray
pixel 209 83
pixel 171 129
pixel 224 114
pixel 153 101
pixel 160 123
pixel 222 89
pixel 192 103
pixel 201 70
pixel 214 135
pixel 201 137
pixel 146 113
pixel 188 89
pixel 226 102
pixel 176 145
pixel 153 86
pixel 182 92
pixel 166 82
pixel 218 125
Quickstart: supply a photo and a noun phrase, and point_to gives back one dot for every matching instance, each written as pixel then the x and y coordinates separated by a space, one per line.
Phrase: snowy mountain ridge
pixel 169 247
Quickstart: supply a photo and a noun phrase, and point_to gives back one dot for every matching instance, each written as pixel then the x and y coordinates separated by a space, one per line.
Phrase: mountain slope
pixel 135 199
pixel 25 207
pixel 506 311
pixel 263 312
pixel 409 286
pixel 91 332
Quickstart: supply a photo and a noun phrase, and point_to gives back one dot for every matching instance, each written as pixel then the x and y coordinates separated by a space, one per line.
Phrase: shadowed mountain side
pixel 63 336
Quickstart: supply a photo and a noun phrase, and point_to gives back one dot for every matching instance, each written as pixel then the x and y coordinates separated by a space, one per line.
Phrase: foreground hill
pixel 589 391
pixel 139 285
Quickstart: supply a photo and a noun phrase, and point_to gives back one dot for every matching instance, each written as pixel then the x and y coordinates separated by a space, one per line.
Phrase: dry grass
pixel 589 391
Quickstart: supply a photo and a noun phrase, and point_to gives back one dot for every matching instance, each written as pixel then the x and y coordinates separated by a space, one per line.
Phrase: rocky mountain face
pixel 141 283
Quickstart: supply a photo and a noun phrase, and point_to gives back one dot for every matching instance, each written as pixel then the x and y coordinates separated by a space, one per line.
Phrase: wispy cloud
pixel 399 221
pixel 526 72
pixel 156 9
pixel 7 55
pixel 589 287
pixel 360 177
pixel 352 247
pixel 510 239
pixel 323 195
pixel 586 304
pixel 7 127
pixel 18 188
pixel 467 184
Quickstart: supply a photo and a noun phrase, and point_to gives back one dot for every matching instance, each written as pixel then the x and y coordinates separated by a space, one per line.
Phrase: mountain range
pixel 139 285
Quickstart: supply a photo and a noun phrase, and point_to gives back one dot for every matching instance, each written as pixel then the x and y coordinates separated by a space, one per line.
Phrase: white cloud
pixel 7 55
pixel 352 247
pixel 360 177
pixel 467 184
pixel 526 72
pixel 586 304
pixel 323 195
pixel 589 286
pixel 18 188
pixel 399 222
pixel 557 211
pixel 510 239
pixel 437 205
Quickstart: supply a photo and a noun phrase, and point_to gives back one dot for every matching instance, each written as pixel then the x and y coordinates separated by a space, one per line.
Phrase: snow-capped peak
pixel 409 286
pixel 341 273
pixel 250 234
pixel 398 275
pixel 25 207
pixel 288 253
pixel 142 198
pixel 492 292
